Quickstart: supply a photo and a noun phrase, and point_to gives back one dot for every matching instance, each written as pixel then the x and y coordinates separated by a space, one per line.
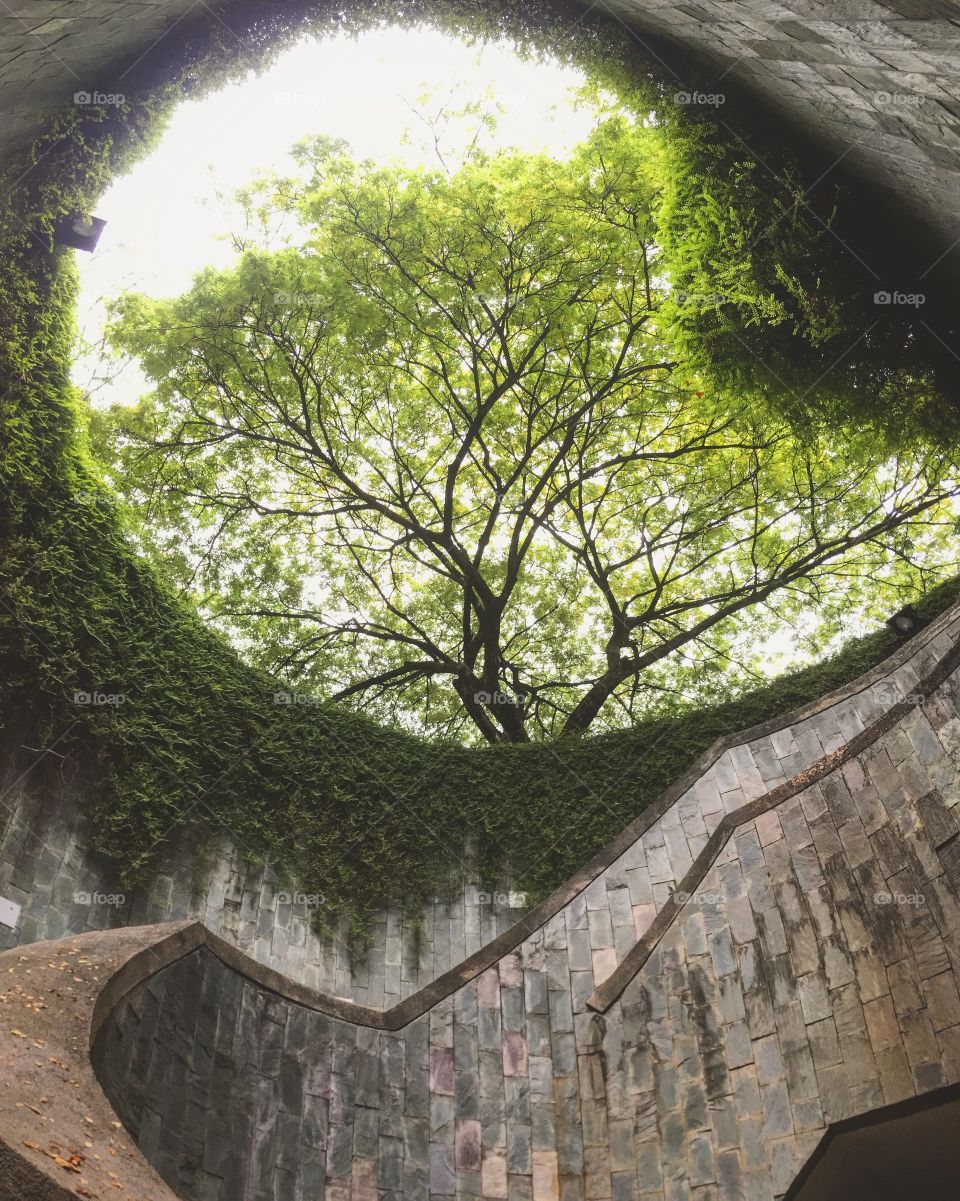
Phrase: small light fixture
pixel 905 621
pixel 78 231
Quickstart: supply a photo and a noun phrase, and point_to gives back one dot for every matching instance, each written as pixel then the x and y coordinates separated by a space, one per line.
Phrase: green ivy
pixel 358 812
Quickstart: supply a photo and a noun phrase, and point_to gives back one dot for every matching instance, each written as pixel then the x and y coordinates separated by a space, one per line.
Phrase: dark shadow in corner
pixel 898 1153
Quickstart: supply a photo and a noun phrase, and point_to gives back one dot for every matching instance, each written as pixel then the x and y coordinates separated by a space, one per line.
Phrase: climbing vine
pixel 189 733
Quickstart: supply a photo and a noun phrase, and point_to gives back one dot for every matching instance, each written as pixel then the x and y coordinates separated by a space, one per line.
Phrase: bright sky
pixel 169 216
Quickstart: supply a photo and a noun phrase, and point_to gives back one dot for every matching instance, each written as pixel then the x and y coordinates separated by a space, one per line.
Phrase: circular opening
pixel 507 406
pixel 774 329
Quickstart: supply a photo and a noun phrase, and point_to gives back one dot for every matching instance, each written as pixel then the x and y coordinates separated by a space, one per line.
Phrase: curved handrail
pixel 605 994
pixel 58 995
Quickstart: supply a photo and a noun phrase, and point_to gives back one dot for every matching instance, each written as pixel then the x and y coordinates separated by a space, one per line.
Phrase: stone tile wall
pixel 45 864
pixel 874 82
pixel 811 977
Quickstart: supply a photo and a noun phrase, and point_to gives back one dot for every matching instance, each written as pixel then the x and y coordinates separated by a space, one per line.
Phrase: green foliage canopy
pixel 356 811
pixel 433 450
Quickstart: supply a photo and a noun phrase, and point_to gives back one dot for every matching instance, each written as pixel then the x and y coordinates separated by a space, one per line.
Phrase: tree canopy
pixel 437 446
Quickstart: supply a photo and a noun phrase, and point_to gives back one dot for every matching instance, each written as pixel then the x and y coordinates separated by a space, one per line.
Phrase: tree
pixel 429 450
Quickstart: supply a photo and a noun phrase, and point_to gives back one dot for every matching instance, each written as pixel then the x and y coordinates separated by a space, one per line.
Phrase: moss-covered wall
pixel 50 865
pixel 356 812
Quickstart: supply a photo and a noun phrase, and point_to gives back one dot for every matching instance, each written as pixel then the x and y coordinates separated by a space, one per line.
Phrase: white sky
pixel 164 220
pixel 170 215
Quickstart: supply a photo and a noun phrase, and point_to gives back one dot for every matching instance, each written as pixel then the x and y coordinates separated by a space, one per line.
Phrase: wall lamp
pixel 78 231
pixel 906 621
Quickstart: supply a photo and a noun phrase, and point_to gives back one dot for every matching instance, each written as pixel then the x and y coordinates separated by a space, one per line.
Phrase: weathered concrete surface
pixel 52 49
pixel 875 82
pixel 46 863
pixel 812 977
pixel 59 1136
pixel 788 995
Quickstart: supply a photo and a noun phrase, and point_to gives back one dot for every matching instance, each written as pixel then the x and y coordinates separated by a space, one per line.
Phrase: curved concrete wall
pixel 622 1042
pixel 876 82
pixel 45 864
pixel 811 977
pixel 851 73
pixel 804 972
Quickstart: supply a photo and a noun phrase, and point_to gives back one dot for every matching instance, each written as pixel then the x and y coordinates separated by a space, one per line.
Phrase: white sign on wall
pixel 9 913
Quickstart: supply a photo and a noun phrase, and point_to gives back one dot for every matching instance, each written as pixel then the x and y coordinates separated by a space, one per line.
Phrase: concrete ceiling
pixel 875 85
